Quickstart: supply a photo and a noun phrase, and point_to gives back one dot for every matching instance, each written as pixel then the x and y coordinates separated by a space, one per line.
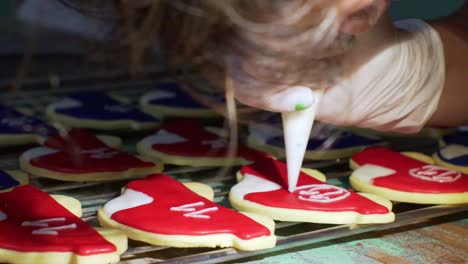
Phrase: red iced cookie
pixel 262 188
pixel 162 211
pixel 186 142
pixel 402 178
pixel 36 228
pixel 81 156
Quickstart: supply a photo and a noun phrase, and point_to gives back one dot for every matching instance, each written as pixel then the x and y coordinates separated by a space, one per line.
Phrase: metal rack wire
pixel 290 235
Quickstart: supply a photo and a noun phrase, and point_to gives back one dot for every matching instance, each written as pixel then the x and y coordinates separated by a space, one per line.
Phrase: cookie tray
pixel 290 234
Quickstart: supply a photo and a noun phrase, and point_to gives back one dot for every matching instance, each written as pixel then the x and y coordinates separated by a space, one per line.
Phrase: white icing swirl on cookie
pixel 128 199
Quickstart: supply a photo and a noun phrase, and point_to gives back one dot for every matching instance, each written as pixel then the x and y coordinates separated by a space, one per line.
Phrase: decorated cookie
pixel 168 99
pixel 81 156
pixel 454 152
pixel 36 228
pixel 403 178
pixel 97 110
pixel 19 129
pixel 262 188
pixel 162 211
pixel 266 134
pixel 188 143
pixel 11 179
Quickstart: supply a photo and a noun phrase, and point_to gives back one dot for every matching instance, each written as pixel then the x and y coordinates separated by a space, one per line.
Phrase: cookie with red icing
pixel 262 188
pixel 97 110
pixel 405 178
pixel 186 142
pixel 81 156
pixel 11 179
pixel 38 228
pixel 162 211
pixel 17 128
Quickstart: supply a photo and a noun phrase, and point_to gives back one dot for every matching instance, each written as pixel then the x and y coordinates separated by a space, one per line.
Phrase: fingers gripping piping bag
pixel 297 127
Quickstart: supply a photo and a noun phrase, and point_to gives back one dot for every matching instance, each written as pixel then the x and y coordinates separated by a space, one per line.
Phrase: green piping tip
pixel 300 107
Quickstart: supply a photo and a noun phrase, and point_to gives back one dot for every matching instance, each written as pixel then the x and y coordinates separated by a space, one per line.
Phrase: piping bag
pixel 297 127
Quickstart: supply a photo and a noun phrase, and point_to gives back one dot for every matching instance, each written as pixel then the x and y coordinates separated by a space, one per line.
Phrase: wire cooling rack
pixel 290 234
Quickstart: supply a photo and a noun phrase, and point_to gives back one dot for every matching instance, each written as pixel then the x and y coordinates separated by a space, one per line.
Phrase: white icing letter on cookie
pixel 157 95
pixel 129 199
pixel 46 230
pixel 100 153
pixel 200 213
pixel 435 174
pixel 162 137
pixel 187 207
pixel 194 212
pixel 117 108
pixel 216 143
pixel 44 222
pixel 3 216
pixel 321 193
pixel 22 122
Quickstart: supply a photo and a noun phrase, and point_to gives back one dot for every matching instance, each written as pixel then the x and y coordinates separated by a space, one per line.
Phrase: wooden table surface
pixel 441 241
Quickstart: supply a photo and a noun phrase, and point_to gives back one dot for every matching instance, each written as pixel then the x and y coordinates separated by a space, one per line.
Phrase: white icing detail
pixel 157 95
pixel 117 108
pixel 37 152
pixel 46 230
pixel 253 184
pixel 63 104
pixel 52 231
pixel 435 174
pixel 367 173
pixel 162 137
pixel 193 212
pixel 129 199
pixel 187 207
pixel 22 122
pixel 215 143
pixel 297 127
pixel 44 222
pixel 100 153
pixel 3 216
pixel 313 193
pixel 200 213
pixel 454 151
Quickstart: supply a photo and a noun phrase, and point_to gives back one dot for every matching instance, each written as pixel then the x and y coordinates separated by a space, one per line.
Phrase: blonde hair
pixel 259 44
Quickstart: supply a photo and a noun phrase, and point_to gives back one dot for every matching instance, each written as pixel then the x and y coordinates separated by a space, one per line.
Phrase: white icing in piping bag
pixel 297 127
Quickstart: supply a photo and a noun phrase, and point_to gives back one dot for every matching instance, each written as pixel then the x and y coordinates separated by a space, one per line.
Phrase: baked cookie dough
pixel 407 178
pixel 81 156
pixel 263 189
pixel 17 128
pixel 37 228
pixel 99 111
pixel 162 211
pixel 186 142
pixel 169 100
pixel 454 152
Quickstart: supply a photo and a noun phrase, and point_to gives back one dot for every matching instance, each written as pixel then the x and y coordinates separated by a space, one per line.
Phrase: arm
pixel 452 109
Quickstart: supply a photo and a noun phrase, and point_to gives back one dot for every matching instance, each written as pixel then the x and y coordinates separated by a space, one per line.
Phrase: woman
pixel 376 74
